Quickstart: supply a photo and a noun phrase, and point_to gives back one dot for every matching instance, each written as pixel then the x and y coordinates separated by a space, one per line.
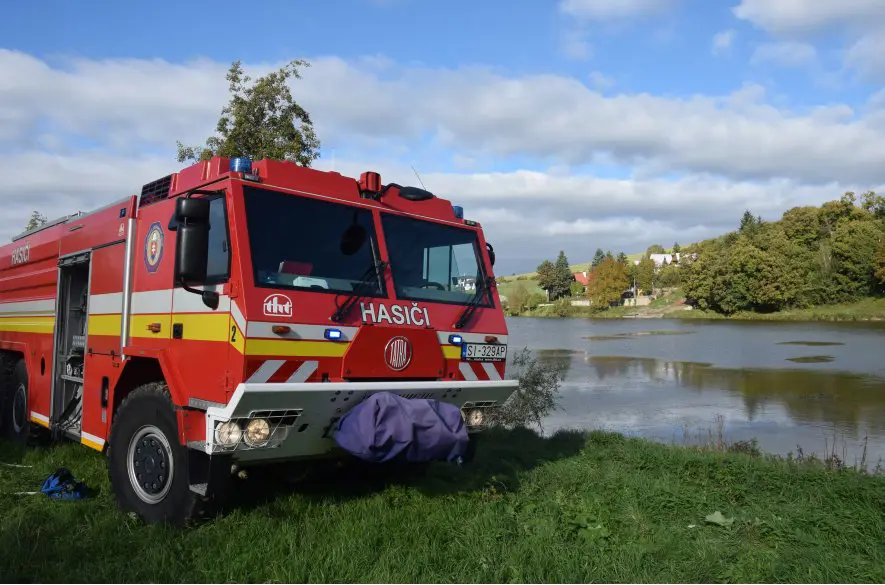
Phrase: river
pixel 788 385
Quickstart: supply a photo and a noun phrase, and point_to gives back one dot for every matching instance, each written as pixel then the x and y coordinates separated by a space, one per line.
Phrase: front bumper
pixel 301 417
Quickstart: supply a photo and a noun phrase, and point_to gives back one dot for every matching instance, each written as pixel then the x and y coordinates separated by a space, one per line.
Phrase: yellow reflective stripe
pixel 452 352
pixel 236 338
pixel 91 444
pixel 24 324
pixel 40 422
pixel 138 326
pixel 104 325
pixel 203 327
pixel 295 348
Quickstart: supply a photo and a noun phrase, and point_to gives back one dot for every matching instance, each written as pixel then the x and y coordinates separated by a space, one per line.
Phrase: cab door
pixel 202 338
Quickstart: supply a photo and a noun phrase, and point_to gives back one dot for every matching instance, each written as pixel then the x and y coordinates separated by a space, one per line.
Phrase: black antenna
pixel 419 178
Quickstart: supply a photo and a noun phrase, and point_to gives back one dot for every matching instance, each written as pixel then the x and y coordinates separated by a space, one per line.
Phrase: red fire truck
pixel 232 312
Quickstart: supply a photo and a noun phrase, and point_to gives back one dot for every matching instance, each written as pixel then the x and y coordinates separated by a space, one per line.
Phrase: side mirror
pixel 192 251
pixel 491 253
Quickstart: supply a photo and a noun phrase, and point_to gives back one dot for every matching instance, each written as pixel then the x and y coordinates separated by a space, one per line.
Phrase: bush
pixel 536 396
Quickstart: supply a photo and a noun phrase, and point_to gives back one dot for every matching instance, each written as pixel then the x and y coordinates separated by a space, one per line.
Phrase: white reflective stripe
pixel 40 417
pixel 467 371
pixel 92 438
pixel 106 304
pixel 259 329
pixel 162 301
pixel 237 314
pixel 304 372
pixel 443 337
pixel 152 301
pixel 41 307
pixel 491 371
pixel 267 369
pixel 186 302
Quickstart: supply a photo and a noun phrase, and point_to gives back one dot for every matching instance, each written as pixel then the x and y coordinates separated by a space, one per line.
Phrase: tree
pixel 518 298
pixel 749 223
pixel 670 275
pixel 879 265
pixel 873 203
pixel 261 120
pixel 547 276
pixel 609 280
pixel 37 219
pixel 655 249
pixel 609 256
pixel 597 258
pixel 676 248
pixel 562 277
pixel 645 274
pixel 622 258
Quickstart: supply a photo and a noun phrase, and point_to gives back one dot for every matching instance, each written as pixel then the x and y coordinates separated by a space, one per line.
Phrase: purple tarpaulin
pixel 386 426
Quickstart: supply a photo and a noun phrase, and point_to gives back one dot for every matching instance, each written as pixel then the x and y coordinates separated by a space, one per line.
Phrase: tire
pixel 16 423
pixel 7 365
pixel 152 485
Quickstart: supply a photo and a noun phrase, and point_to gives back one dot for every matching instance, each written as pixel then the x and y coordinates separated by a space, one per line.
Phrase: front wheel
pixel 147 465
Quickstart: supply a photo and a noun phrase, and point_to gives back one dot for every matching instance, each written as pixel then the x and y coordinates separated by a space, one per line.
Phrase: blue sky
pixel 614 124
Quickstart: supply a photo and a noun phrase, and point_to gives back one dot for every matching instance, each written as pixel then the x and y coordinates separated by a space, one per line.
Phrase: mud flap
pixel 387 427
pixel 208 475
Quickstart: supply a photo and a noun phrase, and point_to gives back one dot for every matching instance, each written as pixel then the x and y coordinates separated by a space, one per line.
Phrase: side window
pixel 437 265
pixel 219 245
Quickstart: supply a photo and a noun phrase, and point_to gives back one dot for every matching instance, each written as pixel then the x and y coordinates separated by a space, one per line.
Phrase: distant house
pixel 466 283
pixel 664 259
pixel 582 277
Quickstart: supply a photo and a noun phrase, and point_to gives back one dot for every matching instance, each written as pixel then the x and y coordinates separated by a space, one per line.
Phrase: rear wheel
pixel 16 423
pixel 147 465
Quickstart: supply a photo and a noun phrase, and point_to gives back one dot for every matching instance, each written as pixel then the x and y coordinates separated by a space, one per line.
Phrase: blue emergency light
pixel 459 211
pixel 332 334
pixel 456 339
pixel 241 164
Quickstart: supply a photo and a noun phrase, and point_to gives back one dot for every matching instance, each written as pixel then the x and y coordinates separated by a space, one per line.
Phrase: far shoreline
pixel 866 310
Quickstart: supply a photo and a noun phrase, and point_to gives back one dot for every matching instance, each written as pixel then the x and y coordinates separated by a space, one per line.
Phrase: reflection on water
pixel 811 343
pixel 812 359
pixel 756 378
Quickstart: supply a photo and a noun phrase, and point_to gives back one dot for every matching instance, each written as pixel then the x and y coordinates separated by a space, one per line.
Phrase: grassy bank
pixel 573 508
pixel 865 310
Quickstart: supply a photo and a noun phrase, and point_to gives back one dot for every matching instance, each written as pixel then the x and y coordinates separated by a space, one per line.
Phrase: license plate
pixel 482 352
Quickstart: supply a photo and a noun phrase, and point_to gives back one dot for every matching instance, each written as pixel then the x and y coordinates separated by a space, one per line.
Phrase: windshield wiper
pixel 374 271
pixel 482 285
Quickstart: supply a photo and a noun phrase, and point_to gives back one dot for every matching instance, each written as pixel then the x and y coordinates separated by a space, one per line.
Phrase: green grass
pixel 872 309
pixel 573 508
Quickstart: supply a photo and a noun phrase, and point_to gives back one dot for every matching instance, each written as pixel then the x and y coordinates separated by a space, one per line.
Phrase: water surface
pixel 787 385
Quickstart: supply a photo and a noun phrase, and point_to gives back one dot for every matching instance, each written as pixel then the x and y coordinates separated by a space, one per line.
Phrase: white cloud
pixel 810 16
pixel 723 41
pixel 785 54
pixel 575 46
pixel 613 9
pixel 601 81
pixel 728 152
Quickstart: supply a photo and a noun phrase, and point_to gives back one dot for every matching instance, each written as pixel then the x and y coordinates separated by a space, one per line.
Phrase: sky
pixel 559 125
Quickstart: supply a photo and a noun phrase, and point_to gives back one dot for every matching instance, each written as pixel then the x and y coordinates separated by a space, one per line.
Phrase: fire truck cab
pixel 233 313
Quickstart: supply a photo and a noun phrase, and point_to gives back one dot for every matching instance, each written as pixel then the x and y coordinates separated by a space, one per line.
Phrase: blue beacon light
pixel 459 211
pixel 241 164
pixel 456 339
pixel 332 334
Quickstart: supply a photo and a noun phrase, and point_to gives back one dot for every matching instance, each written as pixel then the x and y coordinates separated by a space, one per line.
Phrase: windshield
pixel 433 262
pixel 303 243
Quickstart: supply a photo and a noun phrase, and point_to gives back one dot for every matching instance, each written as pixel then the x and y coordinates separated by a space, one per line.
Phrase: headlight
pixel 228 434
pixel 257 432
pixel 474 417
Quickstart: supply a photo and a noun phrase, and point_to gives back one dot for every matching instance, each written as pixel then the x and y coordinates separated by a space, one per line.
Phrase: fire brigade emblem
pixel 153 247
pixel 398 353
